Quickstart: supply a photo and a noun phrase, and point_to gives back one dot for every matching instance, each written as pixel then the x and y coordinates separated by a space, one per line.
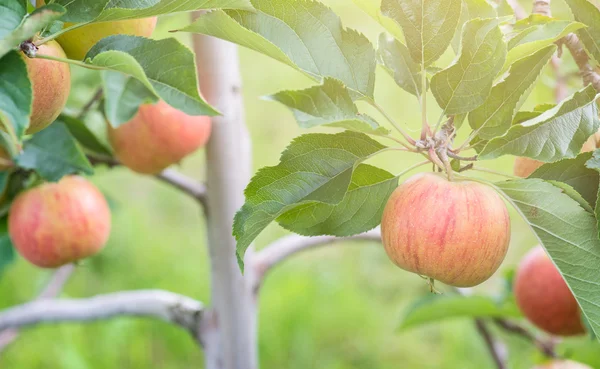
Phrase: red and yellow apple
pixel 454 232
pixel 79 41
pixel 562 364
pixel 58 223
pixel 524 167
pixel 51 84
pixel 157 137
pixel 544 297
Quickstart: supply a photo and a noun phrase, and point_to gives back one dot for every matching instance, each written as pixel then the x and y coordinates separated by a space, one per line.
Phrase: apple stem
pixel 432 289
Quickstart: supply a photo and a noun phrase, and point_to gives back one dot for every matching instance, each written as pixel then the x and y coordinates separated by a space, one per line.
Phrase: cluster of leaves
pixel 135 70
pixel 321 185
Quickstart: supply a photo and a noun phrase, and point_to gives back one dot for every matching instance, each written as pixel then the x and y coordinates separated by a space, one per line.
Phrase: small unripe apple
pixel 544 297
pixel 562 364
pixel 157 137
pixel 79 41
pixel 524 167
pixel 455 232
pixel 51 84
pixel 58 223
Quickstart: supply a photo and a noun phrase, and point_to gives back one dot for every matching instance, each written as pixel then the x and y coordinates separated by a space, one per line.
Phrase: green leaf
pixel 568 233
pixel 315 167
pixel 398 63
pixel 428 25
pixel 11 15
pixel 436 308
pixel 465 84
pixel 29 27
pixel 303 34
pixel 594 164
pixel 84 135
pixel 123 97
pixel 359 211
pixel 570 191
pixel 109 10
pixel 494 117
pixel 329 104
pixel 574 173
pixel 373 9
pixel 53 153
pixel 556 134
pixel 587 13
pixel 16 94
pixel 7 251
pixel 503 8
pixel 536 33
pixel 165 67
pixel 472 9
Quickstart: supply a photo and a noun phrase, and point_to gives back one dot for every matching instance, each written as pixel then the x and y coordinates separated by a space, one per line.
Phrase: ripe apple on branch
pixel 450 224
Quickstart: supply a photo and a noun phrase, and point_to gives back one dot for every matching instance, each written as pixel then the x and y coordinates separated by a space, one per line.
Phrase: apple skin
pixel 157 137
pixel 524 167
pixel 562 364
pixel 454 232
pixel 544 297
pixel 59 223
pixel 79 41
pixel 51 83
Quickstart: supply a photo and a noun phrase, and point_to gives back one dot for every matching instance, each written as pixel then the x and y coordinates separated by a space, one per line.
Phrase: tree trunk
pixel 228 332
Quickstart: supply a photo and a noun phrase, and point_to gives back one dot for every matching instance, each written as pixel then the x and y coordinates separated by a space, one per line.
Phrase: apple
pixel 562 364
pixel 157 137
pixel 524 167
pixel 58 223
pixel 51 84
pixel 79 41
pixel 544 297
pixel 454 232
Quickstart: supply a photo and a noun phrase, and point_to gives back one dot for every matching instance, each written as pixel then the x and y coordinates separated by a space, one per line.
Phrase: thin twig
pixel 170 307
pixel 547 347
pixel 86 108
pixel 176 179
pixel 497 351
pixel 52 289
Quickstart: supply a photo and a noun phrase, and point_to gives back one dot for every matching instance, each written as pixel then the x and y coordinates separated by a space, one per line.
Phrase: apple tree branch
pixel 163 305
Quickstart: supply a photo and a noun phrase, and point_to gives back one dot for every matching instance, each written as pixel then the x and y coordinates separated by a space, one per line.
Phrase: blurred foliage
pixel 335 308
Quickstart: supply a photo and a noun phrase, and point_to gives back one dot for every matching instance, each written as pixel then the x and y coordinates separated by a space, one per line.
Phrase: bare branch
pixel 545 346
pixel 542 7
pixel 184 183
pixel 496 348
pixel 520 13
pixel 162 305
pixel 572 42
pixel 285 247
pixel 52 289
pixel 588 74
pixel 171 176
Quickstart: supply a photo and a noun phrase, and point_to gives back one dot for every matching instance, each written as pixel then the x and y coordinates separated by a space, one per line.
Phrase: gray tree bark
pixel 228 331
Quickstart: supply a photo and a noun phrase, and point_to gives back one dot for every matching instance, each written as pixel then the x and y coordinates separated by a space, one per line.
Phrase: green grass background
pixel 334 308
